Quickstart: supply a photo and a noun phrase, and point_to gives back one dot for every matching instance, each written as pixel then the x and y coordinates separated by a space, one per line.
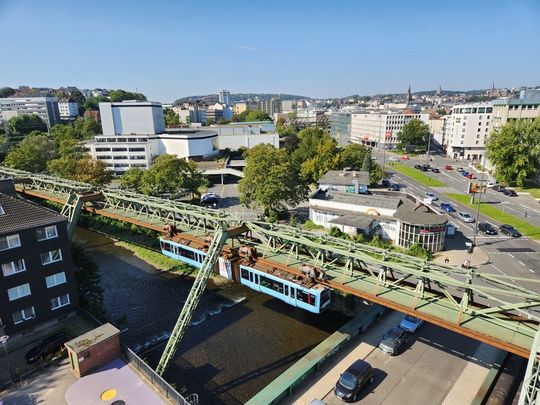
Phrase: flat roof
pixel 370 200
pixel 92 338
pixel 356 220
pixel 344 178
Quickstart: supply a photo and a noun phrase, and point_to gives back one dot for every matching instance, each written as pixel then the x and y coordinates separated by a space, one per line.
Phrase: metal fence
pixel 159 383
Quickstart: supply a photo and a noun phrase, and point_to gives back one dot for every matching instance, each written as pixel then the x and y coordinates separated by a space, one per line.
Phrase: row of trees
pixel 277 178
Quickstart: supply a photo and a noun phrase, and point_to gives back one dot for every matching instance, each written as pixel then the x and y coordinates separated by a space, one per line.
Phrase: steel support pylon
pixel 220 237
pixel 72 209
pixel 531 383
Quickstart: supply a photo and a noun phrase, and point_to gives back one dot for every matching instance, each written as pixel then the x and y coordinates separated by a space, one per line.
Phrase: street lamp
pixel 3 340
pixel 478 204
pixel 428 148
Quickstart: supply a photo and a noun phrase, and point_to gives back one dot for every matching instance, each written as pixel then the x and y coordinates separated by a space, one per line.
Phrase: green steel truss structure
pixel 530 389
pixel 488 307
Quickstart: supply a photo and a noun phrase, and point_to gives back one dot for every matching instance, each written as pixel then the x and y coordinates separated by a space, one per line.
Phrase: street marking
pixel 520 262
pixel 511 255
pixel 531 270
pixel 530 209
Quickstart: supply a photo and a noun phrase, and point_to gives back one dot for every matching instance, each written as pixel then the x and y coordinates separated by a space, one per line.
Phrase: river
pixel 238 342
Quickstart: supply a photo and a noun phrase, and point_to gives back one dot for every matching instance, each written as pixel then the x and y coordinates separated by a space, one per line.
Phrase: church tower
pixel 409 95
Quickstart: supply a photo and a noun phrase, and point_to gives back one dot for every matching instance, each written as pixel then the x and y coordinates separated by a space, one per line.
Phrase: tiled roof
pixel 22 214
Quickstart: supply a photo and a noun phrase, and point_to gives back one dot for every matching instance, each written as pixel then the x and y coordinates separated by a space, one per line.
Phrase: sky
pixel 168 49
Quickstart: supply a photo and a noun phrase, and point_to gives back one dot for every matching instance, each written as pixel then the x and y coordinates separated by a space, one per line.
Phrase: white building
pixel 146 137
pixel 44 107
pixel 247 136
pixel 288 105
pixel 68 109
pixel 131 117
pixel 225 97
pixel 467 129
pixel 270 106
pixel 526 106
pixel 380 128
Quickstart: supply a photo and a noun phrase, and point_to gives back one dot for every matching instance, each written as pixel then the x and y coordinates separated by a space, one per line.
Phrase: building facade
pixel 340 127
pixel 44 107
pixel 38 279
pixel 132 118
pixel 270 106
pixel 380 128
pixel 247 136
pixel 527 106
pixel 467 129
pixel 225 97
pixel 69 110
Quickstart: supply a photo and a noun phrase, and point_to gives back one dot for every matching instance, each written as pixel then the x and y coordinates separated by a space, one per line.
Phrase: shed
pixel 93 349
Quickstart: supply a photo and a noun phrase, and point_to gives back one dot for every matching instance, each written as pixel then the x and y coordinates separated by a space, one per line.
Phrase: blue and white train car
pixel 315 298
pixel 186 254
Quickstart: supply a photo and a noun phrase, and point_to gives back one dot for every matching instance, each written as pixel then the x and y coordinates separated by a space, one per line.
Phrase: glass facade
pixel 341 127
pixel 430 237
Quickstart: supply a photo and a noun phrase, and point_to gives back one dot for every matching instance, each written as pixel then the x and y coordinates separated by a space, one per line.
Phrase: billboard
pixel 475 187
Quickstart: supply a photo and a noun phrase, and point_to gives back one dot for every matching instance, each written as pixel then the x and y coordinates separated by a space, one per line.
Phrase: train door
pixel 292 296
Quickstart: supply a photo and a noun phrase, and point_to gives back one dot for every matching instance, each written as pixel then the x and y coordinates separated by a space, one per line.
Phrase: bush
pixel 337 233
pixel 309 225
pixel 378 242
pixel 418 250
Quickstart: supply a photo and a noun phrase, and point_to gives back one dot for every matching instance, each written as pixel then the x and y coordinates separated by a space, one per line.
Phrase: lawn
pixel 498 215
pixel 530 187
pixel 417 175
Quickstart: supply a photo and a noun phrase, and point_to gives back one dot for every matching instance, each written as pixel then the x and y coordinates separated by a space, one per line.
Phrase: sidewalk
pixel 456 252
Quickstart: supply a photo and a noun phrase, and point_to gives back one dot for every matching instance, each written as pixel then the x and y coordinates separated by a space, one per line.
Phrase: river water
pixel 238 342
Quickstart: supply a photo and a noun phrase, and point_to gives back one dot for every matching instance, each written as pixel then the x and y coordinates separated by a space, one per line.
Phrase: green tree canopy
pixel 367 164
pixel 88 280
pixel 92 103
pixel 92 171
pixel 352 156
pixel 171 118
pixel 121 95
pixel 21 125
pixel 132 179
pixel 251 115
pixel 414 132
pixel 6 92
pixel 32 154
pixel 87 126
pixel 514 149
pixel 70 151
pixel 171 175
pixel 316 153
pixel 270 180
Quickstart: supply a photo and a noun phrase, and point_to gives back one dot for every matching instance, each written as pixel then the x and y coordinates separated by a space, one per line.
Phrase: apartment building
pixel 526 106
pixel 467 129
pixel 69 110
pixel 44 107
pixel 38 279
pixel 240 107
pixel 225 97
pixel 380 128
pixel 270 106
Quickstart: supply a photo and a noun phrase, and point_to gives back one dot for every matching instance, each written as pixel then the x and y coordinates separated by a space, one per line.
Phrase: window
pixel 2 212
pixel 51 257
pixel 60 301
pixel 55 279
pixel 48 232
pixel 9 242
pixel 24 315
pixel 19 291
pixel 13 267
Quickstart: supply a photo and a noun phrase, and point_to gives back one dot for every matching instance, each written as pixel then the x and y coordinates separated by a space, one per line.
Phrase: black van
pixel 353 380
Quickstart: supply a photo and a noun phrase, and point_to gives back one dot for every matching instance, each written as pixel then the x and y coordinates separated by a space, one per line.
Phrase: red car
pixel 448 167
pixel 470 176
pixel 404 157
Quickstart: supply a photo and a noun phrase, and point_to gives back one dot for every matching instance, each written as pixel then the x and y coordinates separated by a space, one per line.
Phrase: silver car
pixel 466 217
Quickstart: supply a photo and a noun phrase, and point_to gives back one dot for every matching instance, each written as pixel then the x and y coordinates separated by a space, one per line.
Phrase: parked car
pixel 393 341
pixel 394 187
pixel 470 176
pixel 435 170
pixel 404 157
pixel 432 196
pixel 448 167
pixel 509 192
pixel 210 200
pixel 447 207
pixel 465 173
pixel 509 230
pixel 466 217
pixel 499 188
pixel 418 167
pixel 353 380
pixel 487 228
pixel 385 183
pixel 393 159
pixel 48 346
pixel 490 184
pixel 459 169
pixel 410 323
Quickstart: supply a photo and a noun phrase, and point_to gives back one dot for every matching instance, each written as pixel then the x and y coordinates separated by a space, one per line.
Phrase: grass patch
pixel 157 259
pixel 417 175
pixel 530 187
pixel 309 225
pixel 498 215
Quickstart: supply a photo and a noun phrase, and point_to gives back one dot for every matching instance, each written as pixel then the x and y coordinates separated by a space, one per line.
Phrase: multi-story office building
pixel 37 280
pixel 270 106
pixel 218 111
pixel 69 110
pixel 242 106
pixel 341 126
pixel 467 129
pixel 44 107
pixel 527 106
pixel 380 128
pixel 225 97
pixel 288 105
pixel 132 118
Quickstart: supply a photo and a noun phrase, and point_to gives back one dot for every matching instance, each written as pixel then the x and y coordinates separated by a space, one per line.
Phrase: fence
pixel 159 383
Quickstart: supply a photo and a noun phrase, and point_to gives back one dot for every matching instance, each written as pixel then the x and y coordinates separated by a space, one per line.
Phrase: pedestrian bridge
pixel 486 307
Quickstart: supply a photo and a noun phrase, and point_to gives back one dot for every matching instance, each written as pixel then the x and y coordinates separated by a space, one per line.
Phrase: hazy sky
pixel 334 48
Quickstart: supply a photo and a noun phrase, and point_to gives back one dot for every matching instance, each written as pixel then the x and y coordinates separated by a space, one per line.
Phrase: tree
pixel 87 127
pixel 441 111
pixel 62 132
pixel 121 95
pixel 316 153
pixel 257 115
pixel 21 125
pixel 514 149
pixel 414 132
pixel 368 162
pixel 171 118
pixel 77 96
pixel 32 154
pixel 92 171
pixel 352 156
pixel 132 179
pixel 88 281
pixel 70 151
pixel 6 92
pixel 291 142
pixel 270 180
pixel 92 103
pixel 171 175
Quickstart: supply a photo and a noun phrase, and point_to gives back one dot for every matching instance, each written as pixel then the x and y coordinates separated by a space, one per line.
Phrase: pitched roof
pixel 22 214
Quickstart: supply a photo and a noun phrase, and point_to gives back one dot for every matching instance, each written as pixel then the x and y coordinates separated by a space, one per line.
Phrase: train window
pixel 256 279
pixel 272 284
pixel 244 274
pixel 293 291
pixel 325 296
pixel 306 297
pixel 188 254
pixel 286 290
pixel 251 276
pixel 165 246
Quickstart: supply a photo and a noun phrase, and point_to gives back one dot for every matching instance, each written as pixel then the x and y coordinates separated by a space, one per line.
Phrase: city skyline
pixel 175 50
